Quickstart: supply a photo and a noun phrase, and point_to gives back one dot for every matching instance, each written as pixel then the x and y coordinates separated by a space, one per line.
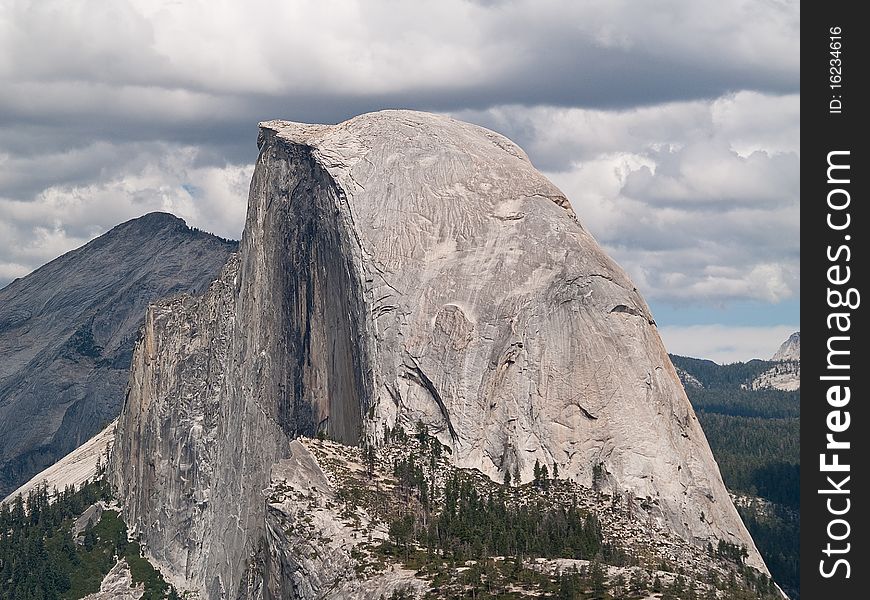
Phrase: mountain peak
pixel 790 349
pixel 156 217
pixel 67 331
pixel 149 224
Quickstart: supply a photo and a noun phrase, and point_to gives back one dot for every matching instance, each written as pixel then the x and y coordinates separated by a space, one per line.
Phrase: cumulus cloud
pixel 68 213
pixel 698 200
pixel 723 344
pixel 706 173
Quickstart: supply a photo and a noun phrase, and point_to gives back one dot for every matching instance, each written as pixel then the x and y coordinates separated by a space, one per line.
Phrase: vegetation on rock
pixel 470 537
pixel 40 560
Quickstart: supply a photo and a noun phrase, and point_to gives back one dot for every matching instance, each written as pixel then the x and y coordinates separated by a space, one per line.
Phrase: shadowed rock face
pixel 395 268
pixel 302 300
pixel 222 383
pixel 67 332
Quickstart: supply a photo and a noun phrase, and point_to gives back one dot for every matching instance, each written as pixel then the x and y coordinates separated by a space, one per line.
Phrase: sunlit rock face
pixel 395 268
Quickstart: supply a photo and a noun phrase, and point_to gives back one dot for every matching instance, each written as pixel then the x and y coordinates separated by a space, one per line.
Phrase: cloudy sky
pixel 672 126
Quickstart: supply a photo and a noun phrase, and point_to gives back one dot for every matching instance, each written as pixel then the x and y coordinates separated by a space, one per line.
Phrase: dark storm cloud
pixel 132 68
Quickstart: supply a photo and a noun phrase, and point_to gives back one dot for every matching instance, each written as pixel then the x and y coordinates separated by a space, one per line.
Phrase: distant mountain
pixel 786 373
pixel 790 349
pixel 67 332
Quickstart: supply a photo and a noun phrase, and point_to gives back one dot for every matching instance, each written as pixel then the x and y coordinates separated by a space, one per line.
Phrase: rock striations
pixel 396 268
pixel 67 332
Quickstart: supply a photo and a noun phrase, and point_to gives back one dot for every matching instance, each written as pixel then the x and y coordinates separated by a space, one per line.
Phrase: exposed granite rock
pixel 67 332
pixel 118 585
pixel 687 379
pixel 790 349
pixel 91 516
pixel 395 268
pixel 74 468
pixel 167 441
pixel 311 545
pixel 786 375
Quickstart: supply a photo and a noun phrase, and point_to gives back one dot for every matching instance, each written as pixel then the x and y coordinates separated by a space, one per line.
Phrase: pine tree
pixel 568 586
pixel 90 537
pixel 596 577
pixel 679 586
pixel 639 581
pixel 369 459
pixel 618 585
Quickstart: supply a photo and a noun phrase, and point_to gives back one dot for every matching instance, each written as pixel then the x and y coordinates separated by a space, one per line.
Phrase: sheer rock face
pixel 395 268
pixel 67 332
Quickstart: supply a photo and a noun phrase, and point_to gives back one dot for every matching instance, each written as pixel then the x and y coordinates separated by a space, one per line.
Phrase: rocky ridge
pixel 399 268
pixel 329 510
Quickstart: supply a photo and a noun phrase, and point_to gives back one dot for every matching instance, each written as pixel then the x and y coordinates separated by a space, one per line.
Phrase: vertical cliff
pixel 222 382
pixel 395 268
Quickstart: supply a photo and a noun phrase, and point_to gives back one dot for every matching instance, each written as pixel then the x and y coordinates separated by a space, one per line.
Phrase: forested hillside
pixel 42 558
pixel 755 437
